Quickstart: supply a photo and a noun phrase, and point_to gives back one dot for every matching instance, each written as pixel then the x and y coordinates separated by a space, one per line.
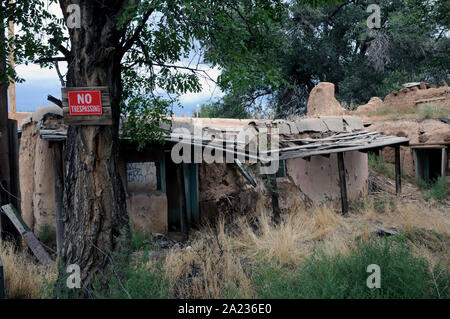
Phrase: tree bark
pixel 94 209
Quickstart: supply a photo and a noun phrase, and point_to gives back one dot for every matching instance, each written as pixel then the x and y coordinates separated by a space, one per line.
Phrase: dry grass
pixel 222 258
pixel 23 277
pixel 426 111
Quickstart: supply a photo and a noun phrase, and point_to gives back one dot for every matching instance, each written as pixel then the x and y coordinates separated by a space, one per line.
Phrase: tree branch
pixel 53 99
pixel 129 43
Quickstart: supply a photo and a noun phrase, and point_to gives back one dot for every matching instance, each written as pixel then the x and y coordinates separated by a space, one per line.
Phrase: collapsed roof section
pixel 302 138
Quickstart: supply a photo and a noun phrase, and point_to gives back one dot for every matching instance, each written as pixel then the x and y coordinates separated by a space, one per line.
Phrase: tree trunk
pixel 94 208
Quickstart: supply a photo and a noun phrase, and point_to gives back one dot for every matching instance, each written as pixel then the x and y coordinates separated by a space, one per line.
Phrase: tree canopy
pixel 332 42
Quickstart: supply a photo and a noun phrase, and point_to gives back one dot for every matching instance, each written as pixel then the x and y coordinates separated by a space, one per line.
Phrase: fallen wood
pixel 386 231
pixel 27 234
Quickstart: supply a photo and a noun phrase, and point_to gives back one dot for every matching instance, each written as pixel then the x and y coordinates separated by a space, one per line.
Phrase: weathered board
pixel 27 234
pixel 104 119
pixel 37 248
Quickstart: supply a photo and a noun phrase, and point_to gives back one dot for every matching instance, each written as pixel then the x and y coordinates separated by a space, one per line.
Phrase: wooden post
pixel 2 281
pixel 182 201
pixel 14 188
pixel 342 183
pixel 398 174
pixel 12 85
pixel 6 227
pixel 58 172
pixel 272 179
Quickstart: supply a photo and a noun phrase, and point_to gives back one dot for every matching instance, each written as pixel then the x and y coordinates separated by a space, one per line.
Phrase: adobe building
pixel 319 158
pixel 426 157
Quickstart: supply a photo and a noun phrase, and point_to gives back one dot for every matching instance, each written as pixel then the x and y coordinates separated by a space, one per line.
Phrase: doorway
pixel 430 163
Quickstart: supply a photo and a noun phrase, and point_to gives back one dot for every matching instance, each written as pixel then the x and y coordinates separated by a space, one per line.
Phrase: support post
pixel 58 173
pixel 2 281
pixel 274 192
pixel 182 201
pixel 342 183
pixel 398 173
pixel 14 163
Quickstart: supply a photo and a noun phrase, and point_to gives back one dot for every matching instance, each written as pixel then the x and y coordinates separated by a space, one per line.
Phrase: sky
pixel 40 82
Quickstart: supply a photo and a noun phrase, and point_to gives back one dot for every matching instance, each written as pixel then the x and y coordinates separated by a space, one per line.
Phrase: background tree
pixel 330 41
pixel 135 48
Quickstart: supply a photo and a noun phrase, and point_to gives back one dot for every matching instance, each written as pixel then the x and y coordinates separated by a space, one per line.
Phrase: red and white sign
pixel 85 102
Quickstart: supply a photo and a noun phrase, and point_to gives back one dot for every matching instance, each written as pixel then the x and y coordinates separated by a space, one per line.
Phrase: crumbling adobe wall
pixel 321 101
pixel 424 132
pixel 27 153
pixel 409 99
pixel 36 178
pixel 224 190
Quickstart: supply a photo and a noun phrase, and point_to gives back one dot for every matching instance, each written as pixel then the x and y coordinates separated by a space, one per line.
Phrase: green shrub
pixel 438 190
pixel 322 276
pixel 379 165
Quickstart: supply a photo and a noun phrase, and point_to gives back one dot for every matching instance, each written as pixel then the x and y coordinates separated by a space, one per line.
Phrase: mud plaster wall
pixel 36 177
pixel 318 179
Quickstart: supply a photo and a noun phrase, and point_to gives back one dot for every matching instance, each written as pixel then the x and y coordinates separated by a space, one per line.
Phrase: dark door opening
pixel 172 192
pixel 428 163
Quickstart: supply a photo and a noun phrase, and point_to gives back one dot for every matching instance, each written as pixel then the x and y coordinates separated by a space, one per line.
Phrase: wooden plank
pixel 27 234
pixel 342 183
pixel 388 142
pixel 37 248
pixel 398 173
pixel 15 218
pixel 2 281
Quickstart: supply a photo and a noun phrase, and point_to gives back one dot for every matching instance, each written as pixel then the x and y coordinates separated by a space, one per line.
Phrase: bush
pixel 344 276
pixel 438 190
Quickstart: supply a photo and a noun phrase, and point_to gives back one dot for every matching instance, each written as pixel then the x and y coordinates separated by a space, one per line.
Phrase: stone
pixel 322 101
pixel 353 123
pixel 333 123
pixel 311 125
